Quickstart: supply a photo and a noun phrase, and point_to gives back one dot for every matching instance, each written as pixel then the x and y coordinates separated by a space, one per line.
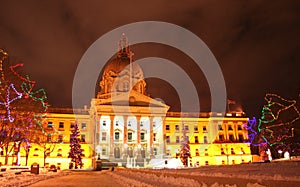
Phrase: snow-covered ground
pixel 285 173
pixel 15 178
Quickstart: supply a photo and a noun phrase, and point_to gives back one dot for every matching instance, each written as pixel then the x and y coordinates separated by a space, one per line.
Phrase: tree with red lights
pixel 184 153
pixel 75 149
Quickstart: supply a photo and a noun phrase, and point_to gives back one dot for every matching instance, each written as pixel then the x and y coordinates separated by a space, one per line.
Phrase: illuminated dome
pixel 120 73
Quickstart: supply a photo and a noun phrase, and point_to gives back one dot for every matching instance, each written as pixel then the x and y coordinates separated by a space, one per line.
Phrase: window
pixel 233 162
pixel 198 164
pixel 196 139
pixel 204 129
pixel 59 154
pixel 197 152
pixel 155 151
pixel 129 124
pixel 50 124
pixel 36 149
pixel 196 128
pixel 240 127
pixel 241 138
pixel 141 124
pixel 232 151
pixel 104 123
pixel 103 151
pixel 220 128
pixel 61 125
pixel 242 151
pixel 168 139
pixel 117 135
pixel 125 86
pixel 83 125
pixel 117 123
pixel 60 138
pixel 82 137
pixel 154 136
pixel 49 138
pixel 205 139
pixel 142 136
pixel 103 136
pixel 153 123
pixel 221 137
pixel 231 137
pixel 186 127
pixel 177 139
pixel 230 127
pixel 177 127
pixel 222 151
pixel 206 163
pixel 167 127
pixel 72 125
pixel 130 136
pixel 223 162
pixel 206 152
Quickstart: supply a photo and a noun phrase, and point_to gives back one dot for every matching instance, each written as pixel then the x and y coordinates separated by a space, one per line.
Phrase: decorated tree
pixel 75 149
pixel 184 153
pixel 276 126
pixel 22 109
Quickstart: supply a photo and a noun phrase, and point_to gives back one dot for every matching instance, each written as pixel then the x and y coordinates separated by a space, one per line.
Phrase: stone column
pixel 139 155
pixel 125 145
pixel 151 138
pixel 111 145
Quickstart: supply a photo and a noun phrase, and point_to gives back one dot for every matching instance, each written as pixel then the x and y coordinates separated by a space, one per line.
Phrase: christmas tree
pixel 275 128
pixel 75 149
pixel 184 153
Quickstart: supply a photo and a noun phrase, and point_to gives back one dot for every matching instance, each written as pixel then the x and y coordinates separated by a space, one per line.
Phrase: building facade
pixel 124 124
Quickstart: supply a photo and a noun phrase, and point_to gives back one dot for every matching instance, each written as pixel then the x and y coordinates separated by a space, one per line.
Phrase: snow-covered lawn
pixel 15 178
pixel 251 175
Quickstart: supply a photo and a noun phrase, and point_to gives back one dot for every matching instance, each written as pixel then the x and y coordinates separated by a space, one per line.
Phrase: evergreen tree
pixel 184 153
pixel 75 149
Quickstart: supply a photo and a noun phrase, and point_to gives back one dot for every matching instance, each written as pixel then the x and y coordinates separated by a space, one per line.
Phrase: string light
pixel 270 129
pixel 9 100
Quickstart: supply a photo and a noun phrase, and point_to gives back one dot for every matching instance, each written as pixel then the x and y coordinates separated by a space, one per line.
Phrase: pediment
pixel 133 99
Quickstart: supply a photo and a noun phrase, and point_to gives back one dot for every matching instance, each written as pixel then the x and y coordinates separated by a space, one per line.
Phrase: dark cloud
pixel 256 43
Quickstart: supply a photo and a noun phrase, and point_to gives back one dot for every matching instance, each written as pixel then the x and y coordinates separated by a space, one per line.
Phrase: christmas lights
pixel 274 128
pixel 9 100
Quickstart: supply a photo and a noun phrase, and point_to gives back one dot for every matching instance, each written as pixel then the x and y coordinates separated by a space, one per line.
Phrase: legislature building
pixel 131 128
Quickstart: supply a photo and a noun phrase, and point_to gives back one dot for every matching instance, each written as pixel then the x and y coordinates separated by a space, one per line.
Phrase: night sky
pixel 255 42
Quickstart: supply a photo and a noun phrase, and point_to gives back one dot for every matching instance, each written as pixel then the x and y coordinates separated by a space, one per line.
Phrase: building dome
pixel 121 73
